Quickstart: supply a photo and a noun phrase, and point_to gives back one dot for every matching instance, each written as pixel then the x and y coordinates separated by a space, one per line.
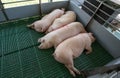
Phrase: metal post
pixel 3 10
pixel 40 6
pixel 50 0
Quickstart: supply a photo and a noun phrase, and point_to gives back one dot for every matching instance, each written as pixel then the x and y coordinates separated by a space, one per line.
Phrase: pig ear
pixel 90 33
pixel 63 9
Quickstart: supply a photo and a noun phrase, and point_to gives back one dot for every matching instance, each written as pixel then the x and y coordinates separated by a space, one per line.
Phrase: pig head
pixel 43 24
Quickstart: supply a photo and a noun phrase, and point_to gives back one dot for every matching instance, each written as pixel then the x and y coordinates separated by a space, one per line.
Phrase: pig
pixel 65 19
pixel 43 24
pixel 54 38
pixel 71 48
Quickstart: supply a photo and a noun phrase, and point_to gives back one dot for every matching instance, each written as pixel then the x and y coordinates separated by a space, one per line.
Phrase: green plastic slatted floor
pixel 20 57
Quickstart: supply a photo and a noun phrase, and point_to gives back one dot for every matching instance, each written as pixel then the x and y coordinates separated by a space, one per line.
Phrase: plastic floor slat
pixel 21 58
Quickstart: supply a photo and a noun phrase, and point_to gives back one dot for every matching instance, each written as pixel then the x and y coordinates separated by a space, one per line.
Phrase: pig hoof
pixel 73 74
pixel 78 72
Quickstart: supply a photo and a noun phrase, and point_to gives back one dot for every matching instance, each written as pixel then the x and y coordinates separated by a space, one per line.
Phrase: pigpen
pixel 19 53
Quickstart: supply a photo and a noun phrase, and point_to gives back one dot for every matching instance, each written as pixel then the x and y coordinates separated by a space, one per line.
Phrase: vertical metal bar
pixel 94 14
pixel 40 6
pixel 3 10
pixel 50 0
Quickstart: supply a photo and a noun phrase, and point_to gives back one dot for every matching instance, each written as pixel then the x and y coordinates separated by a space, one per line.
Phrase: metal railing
pixel 21 2
pixel 95 11
pixel 2 8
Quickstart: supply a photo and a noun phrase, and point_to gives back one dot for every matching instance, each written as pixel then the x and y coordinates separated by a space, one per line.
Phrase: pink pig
pixel 56 37
pixel 72 48
pixel 65 19
pixel 43 24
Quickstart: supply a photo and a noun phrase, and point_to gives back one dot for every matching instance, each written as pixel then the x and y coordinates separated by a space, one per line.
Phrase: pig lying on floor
pixel 43 24
pixel 65 19
pixel 71 48
pixel 56 37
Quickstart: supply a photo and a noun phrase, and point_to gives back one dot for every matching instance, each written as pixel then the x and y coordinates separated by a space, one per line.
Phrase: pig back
pixel 68 31
pixel 75 44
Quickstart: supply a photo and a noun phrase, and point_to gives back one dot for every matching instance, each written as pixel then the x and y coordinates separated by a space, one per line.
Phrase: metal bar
pixel 50 0
pixel 3 11
pixel 105 14
pixel 94 14
pixel 100 9
pixel 17 1
pixel 90 4
pixel 87 8
pixel 108 15
pixel 40 6
pixel 110 7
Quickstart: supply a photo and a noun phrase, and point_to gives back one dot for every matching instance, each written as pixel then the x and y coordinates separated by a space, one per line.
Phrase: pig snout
pixel 41 40
pixel 42 45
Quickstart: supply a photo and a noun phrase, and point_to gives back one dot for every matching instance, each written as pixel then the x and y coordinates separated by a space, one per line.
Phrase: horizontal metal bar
pixel 91 4
pixel 111 7
pixel 17 2
pixel 103 13
pixel 87 8
pixel 113 26
pixel 109 15
pixel 101 9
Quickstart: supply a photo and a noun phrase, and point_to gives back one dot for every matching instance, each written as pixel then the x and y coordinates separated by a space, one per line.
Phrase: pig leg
pixel 89 49
pixel 71 68
pixel 71 72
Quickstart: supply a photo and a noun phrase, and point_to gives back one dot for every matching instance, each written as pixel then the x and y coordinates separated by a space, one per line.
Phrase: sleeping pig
pixel 71 48
pixel 65 19
pixel 57 36
pixel 43 24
